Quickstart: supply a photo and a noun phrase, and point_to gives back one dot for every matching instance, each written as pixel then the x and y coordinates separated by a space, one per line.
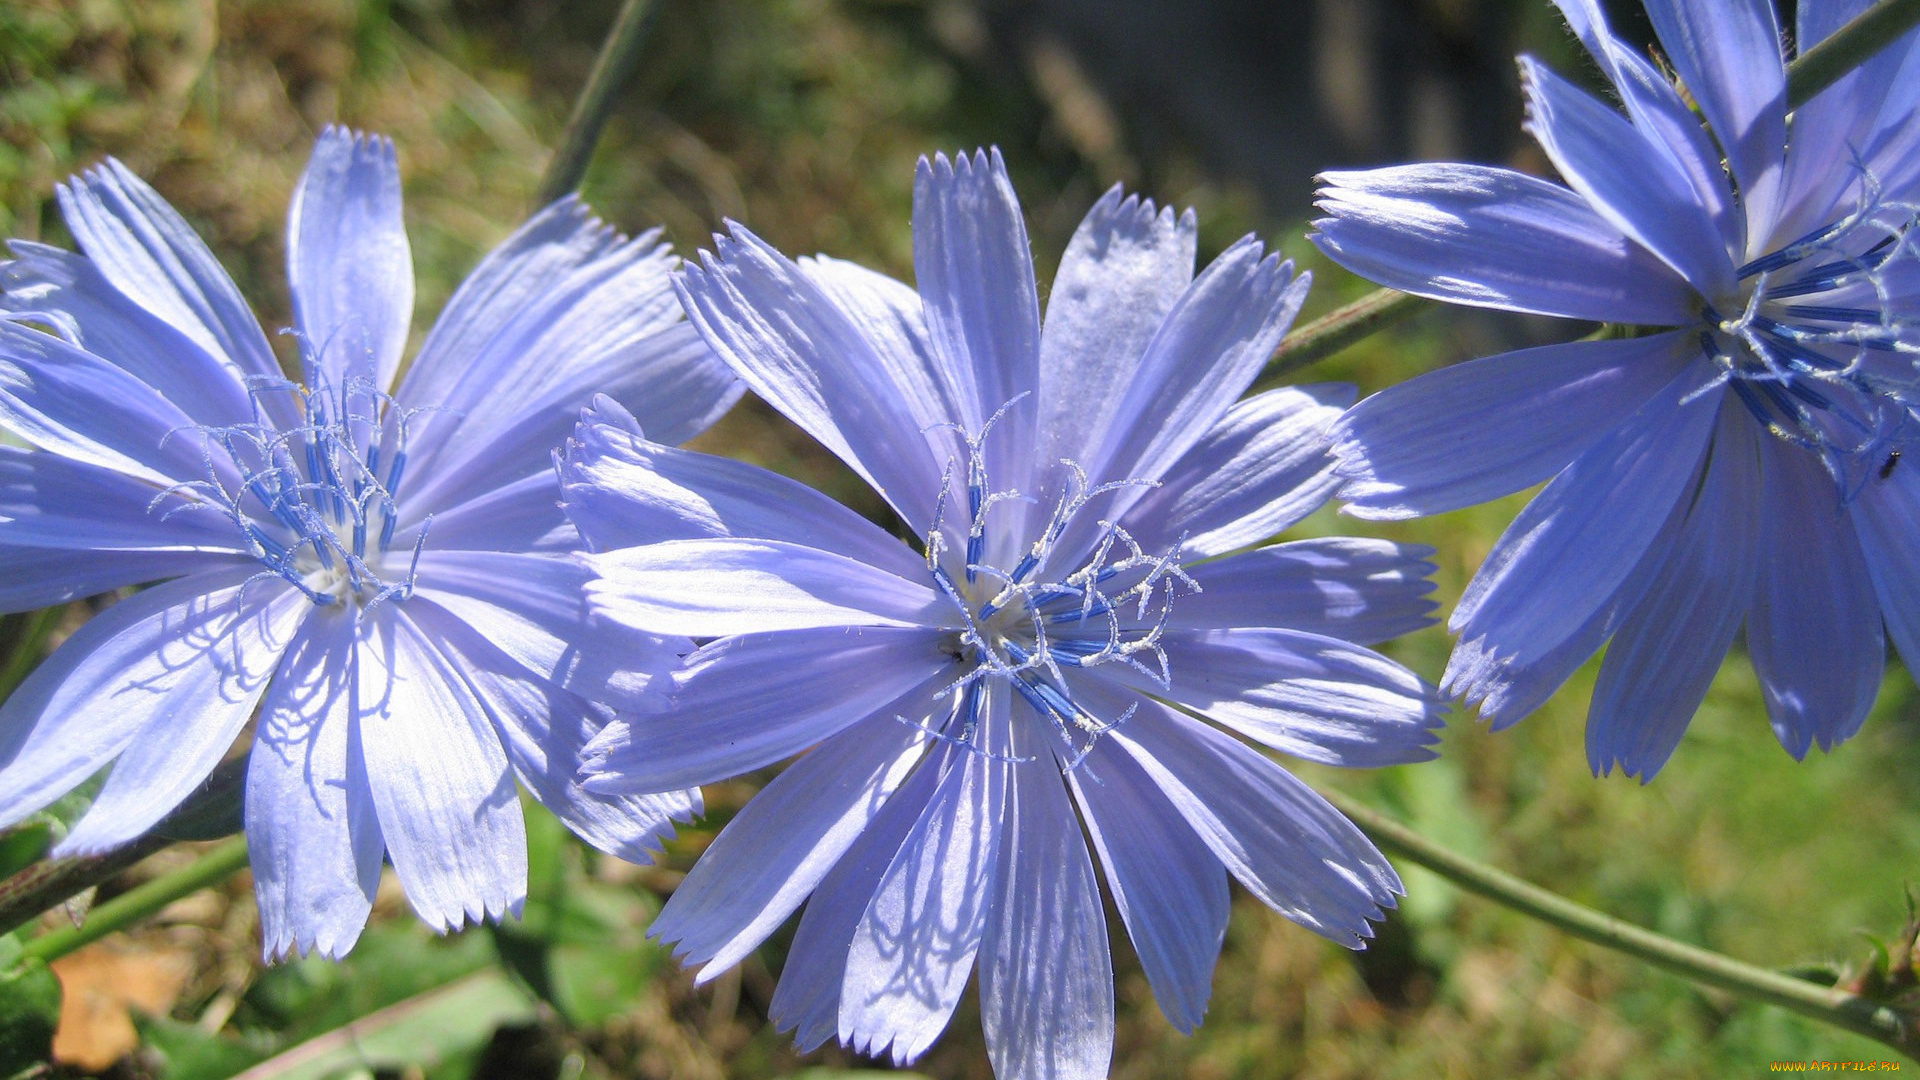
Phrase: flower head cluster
pixel 1743 466
pixel 1083 493
pixel 369 568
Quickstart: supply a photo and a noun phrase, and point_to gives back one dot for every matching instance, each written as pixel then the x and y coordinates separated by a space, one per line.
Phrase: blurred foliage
pixel 803 118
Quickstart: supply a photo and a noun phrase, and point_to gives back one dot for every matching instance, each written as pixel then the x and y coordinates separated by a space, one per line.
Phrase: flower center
pixel 316 500
pixel 1818 344
pixel 1033 626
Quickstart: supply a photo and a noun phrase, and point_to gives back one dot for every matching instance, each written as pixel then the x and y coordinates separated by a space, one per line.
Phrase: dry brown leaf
pixel 100 985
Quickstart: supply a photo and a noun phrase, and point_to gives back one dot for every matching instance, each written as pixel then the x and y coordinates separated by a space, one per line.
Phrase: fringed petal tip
pixel 574 210
pixel 600 417
pixel 683 954
pixel 616 737
pixel 477 912
pixel 290 946
pixel 1483 681
pixel 1127 211
pixel 962 166
pixel 355 138
pixel 1361 936
pixel 653 844
pixel 730 244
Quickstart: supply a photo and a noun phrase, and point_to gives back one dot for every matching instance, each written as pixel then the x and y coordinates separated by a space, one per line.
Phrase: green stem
pixel 211 811
pixel 611 69
pixel 1811 72
pixel 1848 47
pixel 141 902
pixel 1860 1015
pixel 1340 328
pixel 33 642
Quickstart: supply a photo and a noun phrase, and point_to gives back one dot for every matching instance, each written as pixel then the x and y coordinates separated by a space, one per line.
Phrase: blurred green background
pixel 803 118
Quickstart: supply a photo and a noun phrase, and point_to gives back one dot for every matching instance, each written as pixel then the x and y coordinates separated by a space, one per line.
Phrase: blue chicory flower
pixel 1085 492
pixel 1743 466
pixel 376 563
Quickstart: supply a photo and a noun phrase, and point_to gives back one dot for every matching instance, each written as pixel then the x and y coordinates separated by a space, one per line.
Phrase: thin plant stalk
pixel 1848 47
pixel 210 812
pixel 1811 72
pixel 141 902
pixel 1344 326
pixel 1857 1014
pixel 611 70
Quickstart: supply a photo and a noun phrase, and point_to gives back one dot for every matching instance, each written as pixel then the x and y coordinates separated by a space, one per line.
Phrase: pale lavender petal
pixel 1046 978
pixel 974 268
pixel 313 839
pixel 1506 690
pixel 792 342
pixel 1490 237
pixel 43 577
pixel 166 653
pixel 1893 153
pixel 522 516
pixel 148 251
pixel 1665 654
pixel 530 607
pixel 1285 843
pixel 1259 471
pixel 1814 632
pixel 891 316
pixel 348 264
pixel 782 843
pixel 1126 266
pixel 75 297
pixel 1838 123
pixel 1656 107
pixel 623 490
pixel 1476 431
pixel 808 995
pixel 73 403
pixel 1314 697
pixel 748 701
pixel 1635 187
pixel 1728 55
pixel 913 950
pixel 50 501
pixel 1169 887
pixel 1581 537
pixel 1357 589
pixel 565 292
pixel 1887 515
pixel 1815 20
pixel 544 731
pixel 1206 353
pixel 711 588
pixel 439 779
pixel 670 376
pixel 197 691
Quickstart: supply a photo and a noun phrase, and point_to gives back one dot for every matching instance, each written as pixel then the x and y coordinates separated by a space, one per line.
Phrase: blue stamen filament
pixel 302 497
pixel 1838 374
pixel 1030 634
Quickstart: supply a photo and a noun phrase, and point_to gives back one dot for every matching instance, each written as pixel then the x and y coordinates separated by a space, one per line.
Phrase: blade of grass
pixel 421 1031
pixel 611 70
